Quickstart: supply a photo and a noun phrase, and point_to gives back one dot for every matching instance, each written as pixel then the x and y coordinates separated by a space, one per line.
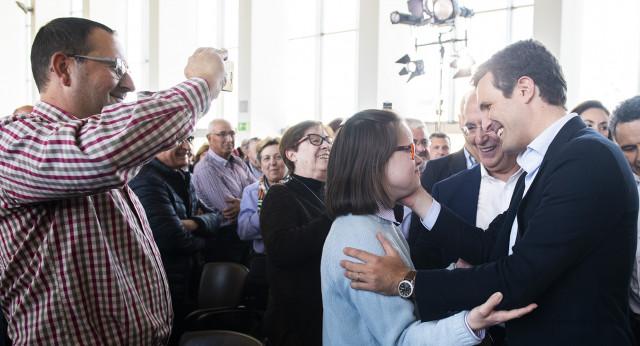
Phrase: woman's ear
pixel 291 155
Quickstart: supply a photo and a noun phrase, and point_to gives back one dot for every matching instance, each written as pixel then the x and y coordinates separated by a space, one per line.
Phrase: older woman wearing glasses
pixel 294 227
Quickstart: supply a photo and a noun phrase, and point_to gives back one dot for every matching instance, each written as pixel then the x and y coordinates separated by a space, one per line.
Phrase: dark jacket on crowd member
pixel 168 197
pixel 294 227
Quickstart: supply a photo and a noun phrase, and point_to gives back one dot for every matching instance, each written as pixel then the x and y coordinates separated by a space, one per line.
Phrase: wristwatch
pixel 405 287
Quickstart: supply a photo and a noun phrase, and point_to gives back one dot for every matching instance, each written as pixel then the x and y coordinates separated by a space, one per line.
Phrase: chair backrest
pixel 222 285
pixel 218 338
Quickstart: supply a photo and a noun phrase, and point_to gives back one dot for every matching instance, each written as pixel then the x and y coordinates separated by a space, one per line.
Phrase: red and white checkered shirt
pixel 79 264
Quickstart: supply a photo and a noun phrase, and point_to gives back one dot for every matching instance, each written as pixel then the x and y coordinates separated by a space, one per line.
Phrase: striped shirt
pixel 78 260
pixel 217 179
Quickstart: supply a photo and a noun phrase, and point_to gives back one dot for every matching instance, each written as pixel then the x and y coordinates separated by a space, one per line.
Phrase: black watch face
pixel 405 289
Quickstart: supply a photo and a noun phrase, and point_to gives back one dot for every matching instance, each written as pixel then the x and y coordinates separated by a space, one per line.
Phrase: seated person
pixel 180 224
pixel 361 197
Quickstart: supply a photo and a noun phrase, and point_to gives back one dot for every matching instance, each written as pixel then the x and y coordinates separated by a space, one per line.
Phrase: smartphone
pixel 229 67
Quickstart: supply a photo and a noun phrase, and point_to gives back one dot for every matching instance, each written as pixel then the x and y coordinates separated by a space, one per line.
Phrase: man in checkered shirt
pixel 78 261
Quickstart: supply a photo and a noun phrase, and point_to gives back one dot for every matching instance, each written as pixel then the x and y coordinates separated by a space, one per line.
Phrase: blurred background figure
pixel 595 115
pixel 439 145
pixel 26 109
pixel 420 141
pixel 252 158
pixel 335 124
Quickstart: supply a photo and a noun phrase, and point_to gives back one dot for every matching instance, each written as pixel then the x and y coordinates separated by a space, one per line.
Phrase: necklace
pixel 313 193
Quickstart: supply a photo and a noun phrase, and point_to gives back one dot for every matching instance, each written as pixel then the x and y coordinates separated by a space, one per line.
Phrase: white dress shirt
pixel 494 196
pixel 530 162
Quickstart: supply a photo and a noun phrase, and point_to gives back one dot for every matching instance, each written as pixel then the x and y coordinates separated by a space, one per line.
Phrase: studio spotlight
pixel 416 67
pixel 403 18
pixel 463 64
pixel 445 11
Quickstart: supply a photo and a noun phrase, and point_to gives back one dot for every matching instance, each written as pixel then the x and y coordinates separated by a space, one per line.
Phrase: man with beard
pixel 219 179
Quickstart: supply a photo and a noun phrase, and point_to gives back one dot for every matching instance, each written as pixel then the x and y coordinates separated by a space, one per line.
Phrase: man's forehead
pixel 418 132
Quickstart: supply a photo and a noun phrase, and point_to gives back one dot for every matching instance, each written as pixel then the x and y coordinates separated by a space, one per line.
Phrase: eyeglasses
pixel 224 134
pixel 316 139
pixel 471 130
pixel 119 65
pixel 407 147
pixel 424 142
pixel 189 139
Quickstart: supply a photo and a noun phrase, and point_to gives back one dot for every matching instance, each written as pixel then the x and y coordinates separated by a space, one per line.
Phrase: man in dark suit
pixel 438 169
pixel 477 194
pixel 567 241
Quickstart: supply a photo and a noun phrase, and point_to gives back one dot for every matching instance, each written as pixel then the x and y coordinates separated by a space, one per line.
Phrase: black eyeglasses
pixel 117 64
pixel 407 147
pixel 224 134
pixel 316 139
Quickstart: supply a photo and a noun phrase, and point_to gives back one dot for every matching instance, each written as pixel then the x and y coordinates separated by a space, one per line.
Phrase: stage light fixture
pixel 415 67
pixel 403 18
pixel 463 64
pixel 445 11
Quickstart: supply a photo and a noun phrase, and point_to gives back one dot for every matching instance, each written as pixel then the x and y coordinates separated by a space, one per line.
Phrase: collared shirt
pixel 78 260
pixel 634 299
pixel 531 160
pixel 494 196
pixel 217 179
pixel 256 172
pixel 468 158
pixel 249 218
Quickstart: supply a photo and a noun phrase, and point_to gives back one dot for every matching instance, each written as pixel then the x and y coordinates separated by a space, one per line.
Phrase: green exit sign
pixel 243 126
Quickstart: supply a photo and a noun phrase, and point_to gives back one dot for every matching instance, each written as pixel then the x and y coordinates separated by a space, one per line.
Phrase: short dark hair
pixel 68 35
pixel 579 109
pixel 265 143
pixel 526 58
pixel 627 111
pixel 290 140
pixel 357 164
pixel 439 135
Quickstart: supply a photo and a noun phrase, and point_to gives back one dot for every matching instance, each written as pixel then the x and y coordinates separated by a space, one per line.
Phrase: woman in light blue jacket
pixel 372 167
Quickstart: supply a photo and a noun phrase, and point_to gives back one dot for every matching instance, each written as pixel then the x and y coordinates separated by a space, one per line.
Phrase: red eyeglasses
pixel 407 147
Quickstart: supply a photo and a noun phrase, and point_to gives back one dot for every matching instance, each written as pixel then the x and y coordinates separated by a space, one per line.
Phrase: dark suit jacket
pixel 459 193
pixel 576 247
pixel 442 168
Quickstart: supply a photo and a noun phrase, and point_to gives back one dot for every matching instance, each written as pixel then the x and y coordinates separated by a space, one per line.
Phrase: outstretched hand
pixel 208 63
pixel 380 274
pixel 485 315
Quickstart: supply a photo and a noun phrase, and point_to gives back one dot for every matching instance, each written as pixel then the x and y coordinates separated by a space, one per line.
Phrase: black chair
pixel 222 285
pixel 220 301
pixel 218 338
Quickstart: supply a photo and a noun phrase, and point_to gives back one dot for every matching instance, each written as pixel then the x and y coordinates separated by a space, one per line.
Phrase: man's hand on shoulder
pixel 380 274
pixel 208 63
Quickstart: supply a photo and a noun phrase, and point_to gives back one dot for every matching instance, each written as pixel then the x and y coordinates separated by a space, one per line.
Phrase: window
pixel 321 59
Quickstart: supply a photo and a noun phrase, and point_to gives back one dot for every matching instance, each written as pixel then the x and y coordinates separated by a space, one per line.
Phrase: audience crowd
pixel 528 234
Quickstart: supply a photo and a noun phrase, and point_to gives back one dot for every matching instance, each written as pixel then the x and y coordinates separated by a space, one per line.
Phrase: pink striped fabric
pixel 78 260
